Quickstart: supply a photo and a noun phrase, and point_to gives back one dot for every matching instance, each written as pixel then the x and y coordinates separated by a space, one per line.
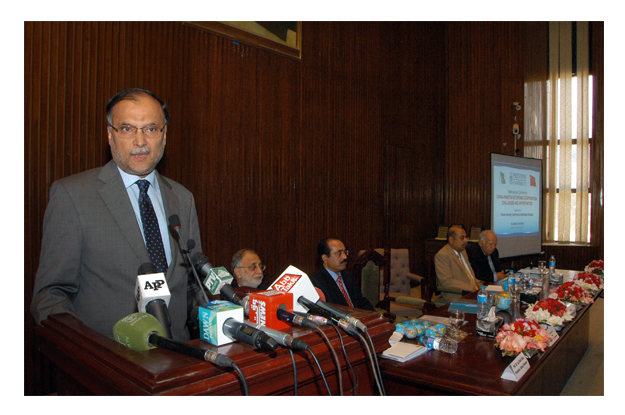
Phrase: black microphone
pixel 203 267
pixel 280 337
pixel 242 332
pixel 314 308
pixel 141 331
pixel 318 320
pixel 152 296
pixel 174 222
pixel 292 318
pixel 342 314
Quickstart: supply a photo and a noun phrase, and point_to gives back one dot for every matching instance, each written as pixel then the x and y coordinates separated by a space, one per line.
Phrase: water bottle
pixel 512 288
pixel 482 303
pixel 441 343
pixel 552 264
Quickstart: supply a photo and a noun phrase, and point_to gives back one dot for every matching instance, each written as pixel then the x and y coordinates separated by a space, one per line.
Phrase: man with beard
pixel 103 224
pixel 247 270
pixel 453 269
pixel 331 277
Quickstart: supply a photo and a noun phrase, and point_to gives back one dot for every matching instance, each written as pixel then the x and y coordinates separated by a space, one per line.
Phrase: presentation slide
pixel 516 204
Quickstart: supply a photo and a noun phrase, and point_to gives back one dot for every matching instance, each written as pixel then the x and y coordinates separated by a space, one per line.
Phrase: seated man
pixel 484 258
pixel 452 265
pixel 247 270
pixel 338 285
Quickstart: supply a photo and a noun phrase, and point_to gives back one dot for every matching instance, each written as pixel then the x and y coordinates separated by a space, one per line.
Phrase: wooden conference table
pixel 477 367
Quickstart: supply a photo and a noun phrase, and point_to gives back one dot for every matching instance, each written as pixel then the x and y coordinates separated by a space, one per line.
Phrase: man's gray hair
pixel 484 233
pixel 238 257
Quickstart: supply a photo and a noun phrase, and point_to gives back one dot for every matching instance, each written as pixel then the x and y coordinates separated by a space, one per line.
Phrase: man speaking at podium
pixel 101 225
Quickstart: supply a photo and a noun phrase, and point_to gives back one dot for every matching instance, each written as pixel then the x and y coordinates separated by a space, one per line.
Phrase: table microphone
pixel 142 331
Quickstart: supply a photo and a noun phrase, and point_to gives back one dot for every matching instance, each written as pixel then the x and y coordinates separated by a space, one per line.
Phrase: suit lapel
pixel 172 207
pixel 336 292
pixel 114 195
pixel 459 263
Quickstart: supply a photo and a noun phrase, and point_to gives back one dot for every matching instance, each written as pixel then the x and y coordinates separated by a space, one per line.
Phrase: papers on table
pixel 402 352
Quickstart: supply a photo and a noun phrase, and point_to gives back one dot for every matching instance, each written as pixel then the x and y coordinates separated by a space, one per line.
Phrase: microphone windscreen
pixel 174 221
pixel 296 282
pixel 133 331
pixel 147 268
pixel 199 259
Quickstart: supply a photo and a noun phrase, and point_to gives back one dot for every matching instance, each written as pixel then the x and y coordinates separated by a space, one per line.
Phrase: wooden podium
pixel 90 363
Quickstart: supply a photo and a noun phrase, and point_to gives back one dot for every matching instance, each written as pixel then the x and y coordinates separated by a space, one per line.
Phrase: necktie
pixel 339 281
pixel 151 231
pixel 492 268
pixel 466 268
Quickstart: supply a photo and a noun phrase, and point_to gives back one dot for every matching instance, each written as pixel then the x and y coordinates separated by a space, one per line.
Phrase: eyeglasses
pixel 338 254
pixel 254 267
pixel 128 131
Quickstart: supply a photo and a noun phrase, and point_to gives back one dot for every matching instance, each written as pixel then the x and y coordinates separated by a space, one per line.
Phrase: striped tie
pixel 339 281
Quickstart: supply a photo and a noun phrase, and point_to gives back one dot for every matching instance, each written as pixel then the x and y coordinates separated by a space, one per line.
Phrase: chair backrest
pixel 399 268
pixel 369 282
pixel 364 270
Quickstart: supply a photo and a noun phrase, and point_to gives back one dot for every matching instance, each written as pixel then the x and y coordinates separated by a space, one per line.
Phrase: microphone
pixel 280 337
pixel 217 280
pixel 142 331
pixel 320 321
pixel 242 332
pixel 152 295
pixel 174 222
pixel 220 323
pixel 342 314
pixel 296 282
pixel 263 307
pixel 342 323
pixel 292 318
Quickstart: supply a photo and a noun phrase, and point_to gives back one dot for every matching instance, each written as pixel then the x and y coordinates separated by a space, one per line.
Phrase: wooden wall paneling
pixel 341 145
pixel 484 79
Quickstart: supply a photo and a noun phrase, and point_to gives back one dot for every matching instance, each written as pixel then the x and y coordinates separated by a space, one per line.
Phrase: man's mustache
pixel 140 150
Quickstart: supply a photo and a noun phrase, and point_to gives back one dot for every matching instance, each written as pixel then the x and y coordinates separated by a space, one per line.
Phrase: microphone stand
pixel 174 222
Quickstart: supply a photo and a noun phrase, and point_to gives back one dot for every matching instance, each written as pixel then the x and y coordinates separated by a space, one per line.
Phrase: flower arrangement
pixel 572 293
pixel 595 267
pixel 522 336
pixel 589 281
pixel 549 311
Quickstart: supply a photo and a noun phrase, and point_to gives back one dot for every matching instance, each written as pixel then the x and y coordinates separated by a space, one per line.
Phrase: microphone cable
pixel 246 392
pixel 377 365
pixel 375 372
pixel 323 376
pixel 294 371
pixel 336 358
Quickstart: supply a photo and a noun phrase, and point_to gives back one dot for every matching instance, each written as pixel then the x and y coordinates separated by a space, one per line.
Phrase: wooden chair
pixel 366 270
pixel 395 290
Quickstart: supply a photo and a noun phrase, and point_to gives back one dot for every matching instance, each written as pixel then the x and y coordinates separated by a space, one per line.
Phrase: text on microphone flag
pixel 286 282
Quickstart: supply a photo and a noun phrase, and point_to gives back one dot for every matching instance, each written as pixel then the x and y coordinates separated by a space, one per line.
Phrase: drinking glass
pixel 456 318
pixel 542 265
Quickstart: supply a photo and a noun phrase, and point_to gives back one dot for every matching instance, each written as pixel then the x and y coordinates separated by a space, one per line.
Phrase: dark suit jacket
pixel 479 263
pixel 322 279
pixel 92 249
pixel 261 286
